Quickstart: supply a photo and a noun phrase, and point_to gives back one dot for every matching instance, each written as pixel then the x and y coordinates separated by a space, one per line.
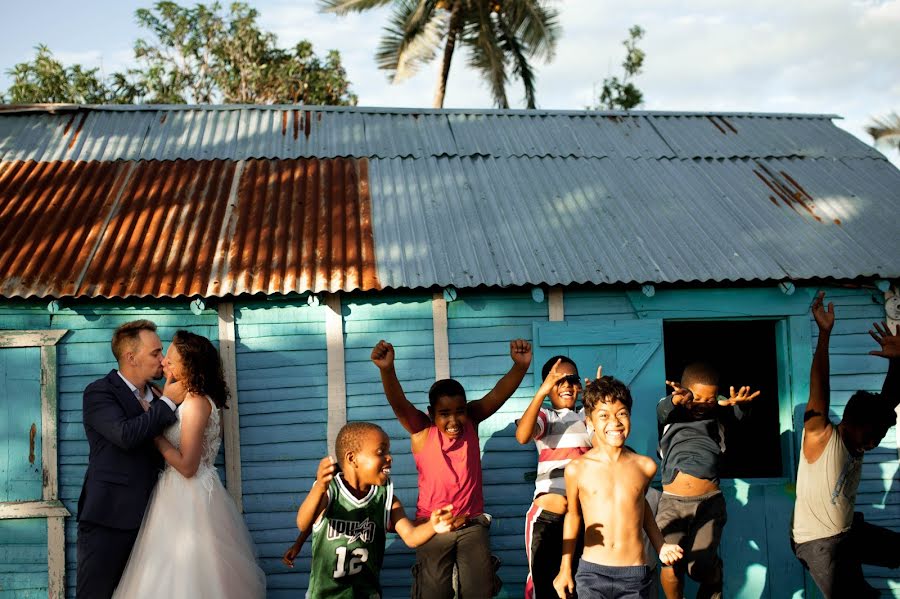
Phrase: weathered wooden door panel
pixel 20 423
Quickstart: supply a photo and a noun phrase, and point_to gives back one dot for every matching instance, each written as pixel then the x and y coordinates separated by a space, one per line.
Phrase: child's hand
pixel 290 555
pixel 442 519
pixel 587 381
pixel 670 553
pixel 553 377
pixel 680 395
pixel 520 352
pixel 889 342
pixel 824 316
pixel 564 585
pixel 327 469
pixel 742 396
pixel 383 355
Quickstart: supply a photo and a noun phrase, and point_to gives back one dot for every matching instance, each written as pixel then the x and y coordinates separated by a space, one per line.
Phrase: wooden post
pixel 337 390
pixel 231 416
pixel 441 339
pixel 555 305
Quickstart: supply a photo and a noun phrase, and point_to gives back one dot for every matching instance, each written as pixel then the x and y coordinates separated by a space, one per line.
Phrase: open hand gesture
pixel 742 396
pixel 442 519
pixel 680 395
pixel 383 355
pixel 824 316
pixel 670 553
pixel 520 352
pixel 889 342
pixel 553 377
pixel 328 467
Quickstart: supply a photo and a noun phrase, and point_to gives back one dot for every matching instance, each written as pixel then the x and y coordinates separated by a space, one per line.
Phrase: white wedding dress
pixel 193 543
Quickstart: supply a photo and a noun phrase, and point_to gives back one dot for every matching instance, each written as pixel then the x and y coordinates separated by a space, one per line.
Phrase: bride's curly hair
pixel 203 367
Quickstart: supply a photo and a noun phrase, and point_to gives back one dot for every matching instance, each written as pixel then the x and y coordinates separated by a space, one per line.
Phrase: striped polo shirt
pixel 560 436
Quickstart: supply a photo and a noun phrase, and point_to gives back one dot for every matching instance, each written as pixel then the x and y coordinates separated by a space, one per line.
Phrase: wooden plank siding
pixel 283 385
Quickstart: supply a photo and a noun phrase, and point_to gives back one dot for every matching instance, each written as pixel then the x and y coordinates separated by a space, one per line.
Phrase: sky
pixel 838 57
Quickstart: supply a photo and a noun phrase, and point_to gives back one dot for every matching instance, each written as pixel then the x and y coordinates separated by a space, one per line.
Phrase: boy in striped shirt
pixel 560 434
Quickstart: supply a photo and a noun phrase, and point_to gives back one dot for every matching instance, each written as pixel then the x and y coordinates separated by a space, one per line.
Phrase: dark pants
pixel 695 523
pixel 469 549
pixel 593 581
pixel 835 563
pixel 102 555
pixel 543 538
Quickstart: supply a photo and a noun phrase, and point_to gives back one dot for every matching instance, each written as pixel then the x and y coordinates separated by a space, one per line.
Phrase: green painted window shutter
pixel 20 424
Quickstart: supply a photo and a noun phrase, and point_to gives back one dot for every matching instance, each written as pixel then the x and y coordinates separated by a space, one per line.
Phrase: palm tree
pixel 886 130
pixel 502 36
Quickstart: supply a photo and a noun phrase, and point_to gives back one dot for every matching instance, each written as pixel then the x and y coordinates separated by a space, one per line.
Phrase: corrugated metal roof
pixel 239 133
pixel 166 201
pixel 164 228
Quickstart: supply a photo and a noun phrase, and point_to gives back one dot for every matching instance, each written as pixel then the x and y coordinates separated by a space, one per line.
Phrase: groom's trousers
pixel 102 555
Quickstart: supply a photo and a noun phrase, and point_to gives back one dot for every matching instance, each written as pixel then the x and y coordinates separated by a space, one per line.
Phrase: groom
pixel 122 414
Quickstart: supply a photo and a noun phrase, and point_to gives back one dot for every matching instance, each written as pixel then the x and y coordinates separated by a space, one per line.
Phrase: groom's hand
pixel 175 391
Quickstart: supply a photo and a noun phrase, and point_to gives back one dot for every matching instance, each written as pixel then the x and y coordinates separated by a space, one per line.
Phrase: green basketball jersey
pixel 348 543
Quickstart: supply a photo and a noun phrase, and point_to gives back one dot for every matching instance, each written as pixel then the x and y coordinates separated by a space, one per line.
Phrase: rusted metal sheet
pixel 168 228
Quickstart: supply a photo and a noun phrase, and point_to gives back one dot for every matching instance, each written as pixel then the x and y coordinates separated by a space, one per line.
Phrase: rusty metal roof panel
pixel 483 221
pixel 170 228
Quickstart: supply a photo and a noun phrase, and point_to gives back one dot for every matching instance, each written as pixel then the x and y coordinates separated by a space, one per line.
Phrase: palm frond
pixel 486 55
pixel 521 68
pixel 886 130
pixel 343 7
pixel 411 38
pixel 535 25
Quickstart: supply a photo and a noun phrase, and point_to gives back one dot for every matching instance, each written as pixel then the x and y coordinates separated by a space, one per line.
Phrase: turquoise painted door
pixel 23 543
pixel 630 350
pixel 20 424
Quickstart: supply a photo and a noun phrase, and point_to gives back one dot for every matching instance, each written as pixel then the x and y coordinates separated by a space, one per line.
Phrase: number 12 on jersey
pixel 346 567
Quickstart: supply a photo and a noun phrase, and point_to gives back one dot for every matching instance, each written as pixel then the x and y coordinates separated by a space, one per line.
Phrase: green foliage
pixel 46 80
pixel 196 55
pixel 502 37
pixel 622 94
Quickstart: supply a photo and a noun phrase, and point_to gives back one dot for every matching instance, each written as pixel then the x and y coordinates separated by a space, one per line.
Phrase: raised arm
pixel 484 408
pixel 418 534
pixel 525 425
pixel 103 413
pixel 410 417
pixel 890 349
pixel 317 499
pixel 195 411
pixel 816 425
pixel 564 583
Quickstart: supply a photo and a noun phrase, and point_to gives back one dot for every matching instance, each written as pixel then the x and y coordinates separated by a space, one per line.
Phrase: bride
pixel 193 543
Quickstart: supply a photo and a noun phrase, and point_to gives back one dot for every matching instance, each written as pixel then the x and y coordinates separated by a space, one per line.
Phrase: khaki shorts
pixel 695 523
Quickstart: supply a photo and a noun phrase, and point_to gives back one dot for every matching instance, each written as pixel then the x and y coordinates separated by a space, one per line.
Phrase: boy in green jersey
pixel 350 508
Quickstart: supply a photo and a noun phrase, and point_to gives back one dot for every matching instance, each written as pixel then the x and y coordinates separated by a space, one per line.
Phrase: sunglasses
pixel 572 379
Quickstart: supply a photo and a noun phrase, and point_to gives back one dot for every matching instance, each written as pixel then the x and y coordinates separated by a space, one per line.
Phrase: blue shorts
pixel 593 581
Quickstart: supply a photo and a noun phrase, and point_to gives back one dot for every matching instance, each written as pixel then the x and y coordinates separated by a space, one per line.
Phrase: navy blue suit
pixel 123 467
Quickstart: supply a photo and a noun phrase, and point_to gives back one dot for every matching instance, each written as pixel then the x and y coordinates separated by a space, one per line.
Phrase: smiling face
pixel 449 415
pixel 611 422
pixel 371 462
pixel 565 392
pixel 173 365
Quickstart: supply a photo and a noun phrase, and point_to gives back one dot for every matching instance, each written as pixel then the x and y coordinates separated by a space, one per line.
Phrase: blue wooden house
pixel 296 238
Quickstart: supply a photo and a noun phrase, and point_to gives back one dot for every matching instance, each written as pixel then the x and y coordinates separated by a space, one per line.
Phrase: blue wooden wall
pixel 282 382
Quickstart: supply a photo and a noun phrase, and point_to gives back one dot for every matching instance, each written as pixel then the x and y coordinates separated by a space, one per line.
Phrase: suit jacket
pixel 124 464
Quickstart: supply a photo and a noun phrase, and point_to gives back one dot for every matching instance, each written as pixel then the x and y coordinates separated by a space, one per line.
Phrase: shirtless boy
pixel 605 488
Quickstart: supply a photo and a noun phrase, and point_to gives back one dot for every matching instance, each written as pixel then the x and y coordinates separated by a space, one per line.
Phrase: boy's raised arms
pixel 410 417
pixel 484 408
pixel 890 349
pixel 526 424
pixel 816 425
pixel 317 499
